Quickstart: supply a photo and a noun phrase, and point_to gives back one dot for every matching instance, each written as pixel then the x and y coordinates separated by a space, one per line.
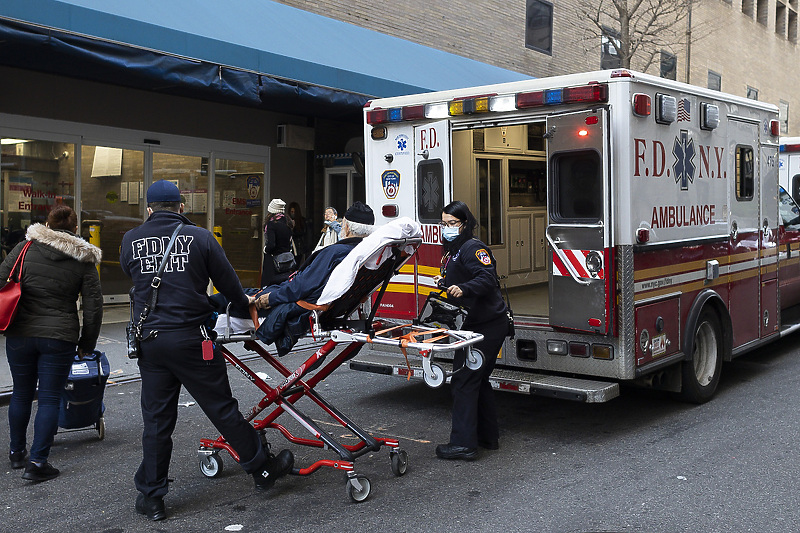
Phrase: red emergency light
pixel 596 92
pixel 790 148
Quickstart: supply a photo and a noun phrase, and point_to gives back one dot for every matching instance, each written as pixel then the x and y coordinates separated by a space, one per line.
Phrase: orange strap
pixel 253 314
pixel 312 307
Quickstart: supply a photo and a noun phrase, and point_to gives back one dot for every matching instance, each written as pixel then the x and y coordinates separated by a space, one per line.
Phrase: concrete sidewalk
pixel 112 342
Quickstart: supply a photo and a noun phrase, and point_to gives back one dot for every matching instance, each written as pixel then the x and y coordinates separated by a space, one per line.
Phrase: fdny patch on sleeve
pixel 483 257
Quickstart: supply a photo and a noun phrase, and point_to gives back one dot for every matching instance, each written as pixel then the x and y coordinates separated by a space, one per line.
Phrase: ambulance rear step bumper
pixel 561 387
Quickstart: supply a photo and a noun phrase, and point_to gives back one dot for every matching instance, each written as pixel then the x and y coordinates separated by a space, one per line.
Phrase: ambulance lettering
pixel 650 160
pixel 676 216
pixel 427 139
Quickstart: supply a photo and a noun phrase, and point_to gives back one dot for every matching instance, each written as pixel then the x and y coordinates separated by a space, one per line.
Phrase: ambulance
pixel 637 224
pixel 789 166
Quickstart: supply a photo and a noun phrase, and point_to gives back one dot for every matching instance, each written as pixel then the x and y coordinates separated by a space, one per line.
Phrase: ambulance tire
pixel 700 375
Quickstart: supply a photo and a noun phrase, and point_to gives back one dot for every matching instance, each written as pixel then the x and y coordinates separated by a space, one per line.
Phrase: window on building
pixel 539 26
pixel 752 93
pixel 745 179
pixel 669 65
pixel 784 116
pixel 714 81
pixel 780 18
pixel 791 22
pixel 748 7
pixel 609 57
pixel 762 11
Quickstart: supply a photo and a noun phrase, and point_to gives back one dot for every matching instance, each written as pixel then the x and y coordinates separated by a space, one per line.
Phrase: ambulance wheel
pixel 399 462
pixel 358 488
pixel 100 426
pixel 700 375
pixel 211 465
pixel 474 359
pixel 435 378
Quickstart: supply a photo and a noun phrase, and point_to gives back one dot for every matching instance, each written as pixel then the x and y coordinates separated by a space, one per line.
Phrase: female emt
pixel 469 274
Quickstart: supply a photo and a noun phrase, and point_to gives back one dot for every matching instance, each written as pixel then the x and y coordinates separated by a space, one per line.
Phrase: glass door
pixel 343 186
pixel 111 204
pixel 36 176
pixel 238 221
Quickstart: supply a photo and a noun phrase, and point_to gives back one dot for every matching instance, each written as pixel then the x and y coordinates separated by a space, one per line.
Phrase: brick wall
pixel 740 48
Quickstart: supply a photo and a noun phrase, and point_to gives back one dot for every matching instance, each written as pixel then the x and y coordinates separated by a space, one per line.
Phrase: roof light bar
pixel 596 92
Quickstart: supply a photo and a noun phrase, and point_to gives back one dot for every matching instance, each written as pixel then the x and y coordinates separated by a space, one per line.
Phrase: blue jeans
pixel 47 361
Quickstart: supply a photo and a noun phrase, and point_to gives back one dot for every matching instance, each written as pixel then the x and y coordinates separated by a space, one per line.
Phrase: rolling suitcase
pixel 82 400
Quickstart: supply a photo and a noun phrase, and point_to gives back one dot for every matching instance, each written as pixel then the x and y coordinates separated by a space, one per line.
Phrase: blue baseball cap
pixel 163 191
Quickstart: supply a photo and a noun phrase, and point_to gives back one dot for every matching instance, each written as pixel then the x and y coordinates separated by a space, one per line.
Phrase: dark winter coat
pixel 278 240
pixel 57 268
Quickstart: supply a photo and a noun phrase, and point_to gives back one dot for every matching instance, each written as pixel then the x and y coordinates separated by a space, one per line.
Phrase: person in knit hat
pixel 277 241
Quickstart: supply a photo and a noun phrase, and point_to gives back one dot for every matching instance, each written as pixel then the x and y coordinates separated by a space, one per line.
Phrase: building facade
pixel 743 47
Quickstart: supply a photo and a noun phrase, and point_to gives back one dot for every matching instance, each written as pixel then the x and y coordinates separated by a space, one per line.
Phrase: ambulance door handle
pixel 564 261
pixel 734 230
pixel 425 154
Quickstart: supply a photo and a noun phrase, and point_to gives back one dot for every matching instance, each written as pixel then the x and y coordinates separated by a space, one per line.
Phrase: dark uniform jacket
pixel 196 256
pixel 57 267
pixel 473 269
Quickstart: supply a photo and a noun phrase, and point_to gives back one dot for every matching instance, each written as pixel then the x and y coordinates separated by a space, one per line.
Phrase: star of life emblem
pixel 683 150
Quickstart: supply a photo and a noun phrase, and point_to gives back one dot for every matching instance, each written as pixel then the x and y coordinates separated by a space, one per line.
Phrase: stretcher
pixel 339 323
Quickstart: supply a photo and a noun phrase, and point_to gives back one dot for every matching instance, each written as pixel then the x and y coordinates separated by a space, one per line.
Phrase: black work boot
pixel 273 468
pixel 153 507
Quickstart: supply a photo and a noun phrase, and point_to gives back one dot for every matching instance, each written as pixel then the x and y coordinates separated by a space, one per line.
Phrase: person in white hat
pixel 279 261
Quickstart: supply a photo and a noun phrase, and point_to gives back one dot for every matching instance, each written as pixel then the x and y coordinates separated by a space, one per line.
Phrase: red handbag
pixel 11 291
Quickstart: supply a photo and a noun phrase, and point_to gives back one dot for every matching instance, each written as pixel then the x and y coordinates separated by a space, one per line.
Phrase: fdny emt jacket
pixel 472 268
pixel 196 256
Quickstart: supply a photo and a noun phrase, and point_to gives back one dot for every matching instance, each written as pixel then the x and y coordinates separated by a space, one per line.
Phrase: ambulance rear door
pixel 432 191
pixel 579 220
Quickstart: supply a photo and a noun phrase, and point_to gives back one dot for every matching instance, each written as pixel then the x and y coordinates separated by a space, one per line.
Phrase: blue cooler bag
pixel 82 401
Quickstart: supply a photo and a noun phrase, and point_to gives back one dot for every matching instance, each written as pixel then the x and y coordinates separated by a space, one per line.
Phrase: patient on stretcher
pixel 324 277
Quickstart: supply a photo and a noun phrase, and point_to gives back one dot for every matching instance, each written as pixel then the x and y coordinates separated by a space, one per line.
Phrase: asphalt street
pixel 641 462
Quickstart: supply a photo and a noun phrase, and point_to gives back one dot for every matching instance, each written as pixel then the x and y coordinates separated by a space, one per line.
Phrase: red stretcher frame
pixel 331 322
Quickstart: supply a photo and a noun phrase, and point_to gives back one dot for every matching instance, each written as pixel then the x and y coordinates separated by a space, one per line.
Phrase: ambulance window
pixel 430 190
pixel 577 187
pixel 745 175
pixel 796 187
pixel 790 214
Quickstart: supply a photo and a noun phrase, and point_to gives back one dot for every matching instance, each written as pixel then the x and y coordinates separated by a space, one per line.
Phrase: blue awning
pixel 248 50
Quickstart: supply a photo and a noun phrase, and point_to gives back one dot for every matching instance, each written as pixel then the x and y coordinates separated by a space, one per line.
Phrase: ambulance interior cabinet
pixel 502 139
pixel 519 243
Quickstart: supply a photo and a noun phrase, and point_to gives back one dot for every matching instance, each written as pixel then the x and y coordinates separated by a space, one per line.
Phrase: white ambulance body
pixel 789 166
pixel 635 223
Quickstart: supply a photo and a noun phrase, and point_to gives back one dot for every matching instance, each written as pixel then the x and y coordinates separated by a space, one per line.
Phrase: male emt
pixel 171 349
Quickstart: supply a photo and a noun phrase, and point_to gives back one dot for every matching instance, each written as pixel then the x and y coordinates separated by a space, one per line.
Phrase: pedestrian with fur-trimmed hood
pixel 46 334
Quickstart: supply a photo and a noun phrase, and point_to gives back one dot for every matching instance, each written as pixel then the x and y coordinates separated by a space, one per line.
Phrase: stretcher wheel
pixel 474 359
pixel 358 488
pixel 399 462
pixel 100 426
pixel 211 465
pixel 435 378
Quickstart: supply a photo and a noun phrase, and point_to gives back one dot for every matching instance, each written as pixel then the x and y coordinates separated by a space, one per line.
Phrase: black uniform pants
pixel 474 410
pixel 172 359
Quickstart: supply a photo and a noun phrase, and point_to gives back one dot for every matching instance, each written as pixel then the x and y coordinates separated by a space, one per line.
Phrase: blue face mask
pixel 449 233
